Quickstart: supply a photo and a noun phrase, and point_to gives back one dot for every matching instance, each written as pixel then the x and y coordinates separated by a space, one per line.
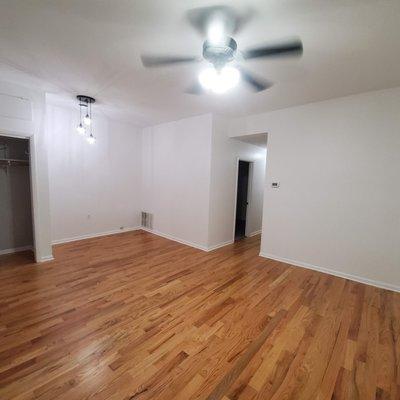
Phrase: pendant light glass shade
pixel 80 129
pixel 87 120
pixel 91 139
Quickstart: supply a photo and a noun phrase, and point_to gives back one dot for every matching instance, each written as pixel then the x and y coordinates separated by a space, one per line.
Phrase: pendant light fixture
pixel 91 139
pixel 80 128
pixel 86 122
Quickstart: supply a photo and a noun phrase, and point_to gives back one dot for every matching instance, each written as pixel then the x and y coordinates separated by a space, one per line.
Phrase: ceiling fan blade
pixel 242 20
pixel 196 88
pixel 294 47
pixel 257 84
pixel 160 61
pixel 231 19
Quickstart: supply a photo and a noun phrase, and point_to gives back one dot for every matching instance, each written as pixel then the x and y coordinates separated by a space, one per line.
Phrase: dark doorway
pixel 241 199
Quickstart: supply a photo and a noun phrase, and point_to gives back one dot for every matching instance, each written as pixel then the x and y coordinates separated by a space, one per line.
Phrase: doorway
pixel 242 199
pixel 16 228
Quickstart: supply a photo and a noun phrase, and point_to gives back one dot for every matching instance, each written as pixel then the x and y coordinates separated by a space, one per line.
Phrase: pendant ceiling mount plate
pixel 85 99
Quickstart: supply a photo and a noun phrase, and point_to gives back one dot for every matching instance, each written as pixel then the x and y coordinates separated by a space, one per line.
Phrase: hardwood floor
pixel 135 316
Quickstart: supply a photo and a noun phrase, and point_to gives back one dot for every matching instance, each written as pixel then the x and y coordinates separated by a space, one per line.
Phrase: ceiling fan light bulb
pixel 219 81
pixel 216 32
pixel 207 78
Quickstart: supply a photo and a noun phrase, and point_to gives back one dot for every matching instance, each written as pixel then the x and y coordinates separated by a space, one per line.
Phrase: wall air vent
pixel 147 220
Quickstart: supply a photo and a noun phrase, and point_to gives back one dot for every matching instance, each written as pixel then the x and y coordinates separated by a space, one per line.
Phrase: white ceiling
pixel 93 47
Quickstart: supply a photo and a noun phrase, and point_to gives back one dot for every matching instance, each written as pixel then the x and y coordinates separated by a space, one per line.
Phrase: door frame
pixel 249 191
pixel 33 199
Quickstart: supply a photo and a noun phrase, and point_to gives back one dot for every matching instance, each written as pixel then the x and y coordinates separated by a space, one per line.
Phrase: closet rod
pixel 11 161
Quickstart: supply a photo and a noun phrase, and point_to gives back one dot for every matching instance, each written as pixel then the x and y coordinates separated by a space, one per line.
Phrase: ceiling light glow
pixel 219 81
pixel 216 32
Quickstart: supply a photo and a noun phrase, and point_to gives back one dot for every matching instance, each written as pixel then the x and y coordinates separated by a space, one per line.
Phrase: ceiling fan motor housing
pixel 220 54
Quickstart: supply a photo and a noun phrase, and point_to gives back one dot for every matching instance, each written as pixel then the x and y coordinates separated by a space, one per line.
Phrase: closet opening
pixel 16 227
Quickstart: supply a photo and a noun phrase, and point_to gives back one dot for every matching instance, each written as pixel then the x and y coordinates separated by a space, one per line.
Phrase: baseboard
pixel 217 246
pixel 356 278
pixel 175 239
pixel 187 243
pixel 15 250
pixel 45 259
pixel 254 233
pixel 94 235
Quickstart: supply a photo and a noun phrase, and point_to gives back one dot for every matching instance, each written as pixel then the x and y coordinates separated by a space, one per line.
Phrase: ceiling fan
pixel 218 23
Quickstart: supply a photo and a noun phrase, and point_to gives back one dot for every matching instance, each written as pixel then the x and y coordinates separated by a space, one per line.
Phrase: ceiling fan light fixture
pixel 219 23
pixel 216 32
pixel 207 78
pixel 219 81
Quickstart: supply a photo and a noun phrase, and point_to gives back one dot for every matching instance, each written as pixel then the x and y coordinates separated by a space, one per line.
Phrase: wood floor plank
pixel 135 317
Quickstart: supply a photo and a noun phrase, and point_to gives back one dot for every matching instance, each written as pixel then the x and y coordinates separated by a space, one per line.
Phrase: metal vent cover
pixel 147 220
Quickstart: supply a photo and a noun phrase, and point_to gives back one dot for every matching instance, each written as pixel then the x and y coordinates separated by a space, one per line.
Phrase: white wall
pixel 94 189
pixel 176 178
pixel 22 113
pixel 225 154
pixel 338 206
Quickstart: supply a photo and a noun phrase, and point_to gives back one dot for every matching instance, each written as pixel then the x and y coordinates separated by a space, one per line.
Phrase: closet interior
pixel 16 233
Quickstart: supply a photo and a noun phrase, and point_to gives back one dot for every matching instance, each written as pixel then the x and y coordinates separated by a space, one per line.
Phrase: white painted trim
pixel 35 130
pixel 175 239
pixel 217 246
pixel 94 235
pixel 45 259
pixel 254 233
pixel 356 278
pixel 15 250
pixel 249 195
pixel 235 199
